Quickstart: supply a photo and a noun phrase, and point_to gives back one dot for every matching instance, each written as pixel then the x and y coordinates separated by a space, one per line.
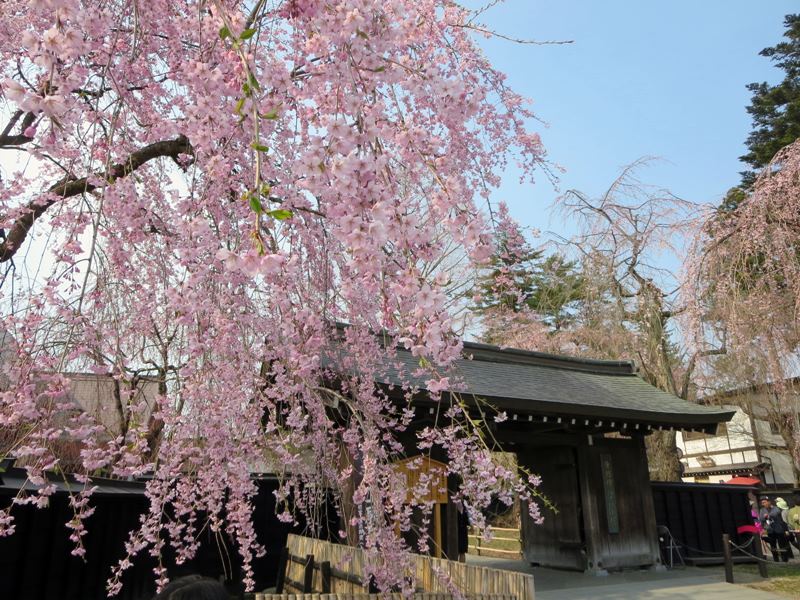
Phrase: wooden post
pixel 325 576
pixel 437 530
pixel 451 521
pixel 726 552
pixel 308 579
pixel 648 506
pixel 759 552
pixel 282 566
pixel 588 466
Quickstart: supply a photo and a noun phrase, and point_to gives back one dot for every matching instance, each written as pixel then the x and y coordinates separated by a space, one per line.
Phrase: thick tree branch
pixel 687 376
pixel 68 187
pixel 6 139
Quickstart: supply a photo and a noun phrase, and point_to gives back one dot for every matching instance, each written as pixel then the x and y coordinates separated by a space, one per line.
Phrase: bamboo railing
pixel 506 543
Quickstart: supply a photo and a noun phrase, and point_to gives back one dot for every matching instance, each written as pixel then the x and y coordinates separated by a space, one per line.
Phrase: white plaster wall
pixel 739 437
pixel 95 396
pixel 734 448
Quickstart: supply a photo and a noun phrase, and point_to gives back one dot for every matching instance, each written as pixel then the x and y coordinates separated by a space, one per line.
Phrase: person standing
pixel 792 519
pixel 776 530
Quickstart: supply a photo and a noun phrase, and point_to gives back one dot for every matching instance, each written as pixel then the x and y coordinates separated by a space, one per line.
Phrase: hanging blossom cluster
pixel 193 194
pixel 743 288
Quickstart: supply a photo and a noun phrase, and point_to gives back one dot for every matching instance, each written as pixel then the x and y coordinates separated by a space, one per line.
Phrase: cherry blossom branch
pixel 68 187
pixel 489 32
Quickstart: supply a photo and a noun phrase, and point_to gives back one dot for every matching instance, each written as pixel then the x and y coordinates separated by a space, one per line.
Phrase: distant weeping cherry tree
pixel 618 299
pixel 743 286
pixel 199 191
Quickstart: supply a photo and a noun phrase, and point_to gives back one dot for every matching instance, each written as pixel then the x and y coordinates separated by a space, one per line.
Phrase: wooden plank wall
pixel 605 517
pixel 697 514
pixel 431 574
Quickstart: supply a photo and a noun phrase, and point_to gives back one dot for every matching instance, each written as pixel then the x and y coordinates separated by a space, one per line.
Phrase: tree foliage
pixel 775 111
pixel 522 280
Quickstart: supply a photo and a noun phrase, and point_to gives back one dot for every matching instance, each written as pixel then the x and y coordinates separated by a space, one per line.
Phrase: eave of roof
pixel 735 468
pixel 16 479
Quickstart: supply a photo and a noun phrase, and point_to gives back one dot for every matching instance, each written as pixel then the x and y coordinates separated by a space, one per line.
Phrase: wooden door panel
pixel 558 542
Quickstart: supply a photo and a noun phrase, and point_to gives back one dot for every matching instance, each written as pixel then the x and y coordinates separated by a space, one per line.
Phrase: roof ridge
pixel 508 355
pixel 491 353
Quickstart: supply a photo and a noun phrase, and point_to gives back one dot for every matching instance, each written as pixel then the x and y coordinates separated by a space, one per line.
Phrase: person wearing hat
pixel 781 503
pixel 777 532
pixel 791 517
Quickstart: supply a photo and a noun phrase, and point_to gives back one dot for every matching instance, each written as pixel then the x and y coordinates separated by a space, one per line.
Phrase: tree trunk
pixel 662 456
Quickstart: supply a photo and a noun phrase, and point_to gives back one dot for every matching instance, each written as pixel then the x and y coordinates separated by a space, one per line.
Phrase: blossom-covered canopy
pixel 195 191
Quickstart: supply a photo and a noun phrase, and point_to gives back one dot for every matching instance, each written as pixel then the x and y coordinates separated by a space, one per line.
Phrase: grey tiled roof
pixel 536 383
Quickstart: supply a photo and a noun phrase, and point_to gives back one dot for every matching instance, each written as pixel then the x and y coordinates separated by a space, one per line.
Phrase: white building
pixel 746 446
pixel 107 400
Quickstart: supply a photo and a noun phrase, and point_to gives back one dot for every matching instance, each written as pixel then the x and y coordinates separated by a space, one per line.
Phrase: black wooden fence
pixel 697 514
pixel 35 562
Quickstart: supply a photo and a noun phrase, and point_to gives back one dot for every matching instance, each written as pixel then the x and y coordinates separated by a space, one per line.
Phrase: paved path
pixel 690 583
pixel 696 588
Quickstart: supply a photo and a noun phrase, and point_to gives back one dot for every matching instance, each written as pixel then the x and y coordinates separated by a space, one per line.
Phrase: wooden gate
pixel 619 518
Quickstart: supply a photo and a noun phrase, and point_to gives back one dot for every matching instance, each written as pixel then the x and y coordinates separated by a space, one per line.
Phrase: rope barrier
pixel 773 563
pixel 697 550
pixel 747 545
pixel 742 548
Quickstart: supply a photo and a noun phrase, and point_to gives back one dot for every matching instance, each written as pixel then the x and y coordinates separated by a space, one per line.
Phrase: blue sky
pixel 642 78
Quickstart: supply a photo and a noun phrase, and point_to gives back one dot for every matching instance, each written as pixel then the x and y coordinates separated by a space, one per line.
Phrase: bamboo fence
pixel 432 575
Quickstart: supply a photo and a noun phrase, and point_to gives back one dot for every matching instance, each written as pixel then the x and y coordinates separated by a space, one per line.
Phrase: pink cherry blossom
pixel 213 192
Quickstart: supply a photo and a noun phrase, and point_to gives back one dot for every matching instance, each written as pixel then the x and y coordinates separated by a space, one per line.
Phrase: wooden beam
pixel 283 562
pixel 591 517
pixel 648 505
pixel 325 576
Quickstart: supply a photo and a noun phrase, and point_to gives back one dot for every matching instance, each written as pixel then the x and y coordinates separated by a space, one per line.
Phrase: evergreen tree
pixel 522 278
pixel 775 110
pixel 558 290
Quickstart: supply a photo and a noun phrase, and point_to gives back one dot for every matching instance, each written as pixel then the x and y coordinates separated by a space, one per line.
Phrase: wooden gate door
pixel 559 541
pixel 618 503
